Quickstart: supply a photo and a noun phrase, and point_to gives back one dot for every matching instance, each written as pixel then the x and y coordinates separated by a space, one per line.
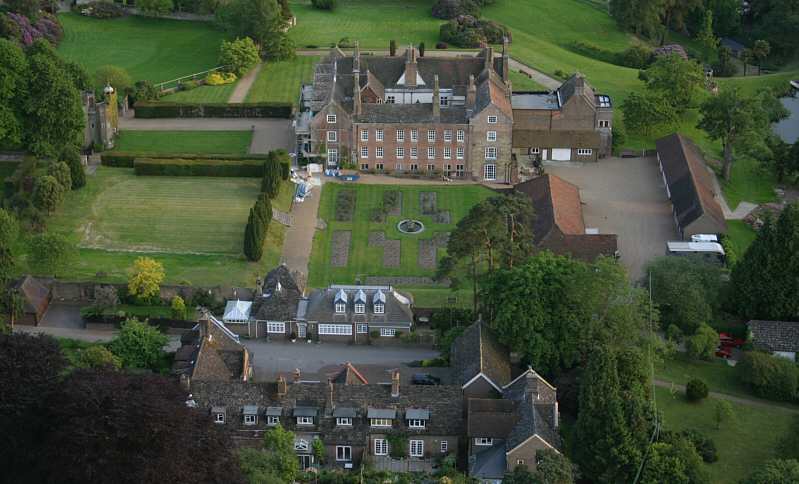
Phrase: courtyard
pixel 624 196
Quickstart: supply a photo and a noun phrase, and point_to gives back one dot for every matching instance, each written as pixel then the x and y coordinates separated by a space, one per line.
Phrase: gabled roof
pixel 775 335
pixel 219 354
pixel 396 313
pixel 491 418
pixel 557 205
pixel 35 295
pixel 477 352
pixel 348 375
pixel 279 297
pixel 689 182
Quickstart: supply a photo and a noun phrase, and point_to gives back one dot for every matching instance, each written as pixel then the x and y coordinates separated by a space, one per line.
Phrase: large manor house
pixel 453 116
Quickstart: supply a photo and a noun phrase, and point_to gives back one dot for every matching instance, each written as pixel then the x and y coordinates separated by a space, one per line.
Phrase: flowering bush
pixel 46 27
pixel 220 78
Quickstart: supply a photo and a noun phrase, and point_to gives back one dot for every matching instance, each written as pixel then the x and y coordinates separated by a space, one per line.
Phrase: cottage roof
pixel 279 298
pixel 274 411
pixel 213 353
pixel 417 414
pixel 490 463
pixel 348 375
pixel 477 351
pixel 250 410
pixel 491 418
pixel 389 413
pixel 345 412
pixel 34 293
pixel 396 313
pixel 689 182
pixel 775 335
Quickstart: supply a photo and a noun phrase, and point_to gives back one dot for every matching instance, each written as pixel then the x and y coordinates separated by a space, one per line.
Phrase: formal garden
pixel 196 142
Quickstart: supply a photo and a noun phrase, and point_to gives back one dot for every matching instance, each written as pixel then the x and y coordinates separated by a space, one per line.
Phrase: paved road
pixel 624 196
pixel 244 85
pixel 536 75
pixel 753 402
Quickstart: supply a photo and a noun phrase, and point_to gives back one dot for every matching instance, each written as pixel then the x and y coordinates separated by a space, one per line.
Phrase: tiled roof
pixel 215 354
pixel 409 113
pixel 477 351
pixel 348 375
pixel 775 335
pixel 278 301
pixel 491 418
pixel 586 247
pixel 556 203
pixel 689 182
pixel 397 309
pixel 34 294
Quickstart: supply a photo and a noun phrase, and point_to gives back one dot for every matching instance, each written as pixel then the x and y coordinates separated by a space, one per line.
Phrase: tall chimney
pixel 395 383
pixel 330 393
pixel 282 388
pixel 489 57
pixel 471 93
pixel 436 99
pixel 505 60
pixel 356 80
pixel 411 67
pixel 296 375
pixel 205 324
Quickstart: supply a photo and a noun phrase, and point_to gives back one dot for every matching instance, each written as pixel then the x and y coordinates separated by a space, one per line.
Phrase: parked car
pixel 425 379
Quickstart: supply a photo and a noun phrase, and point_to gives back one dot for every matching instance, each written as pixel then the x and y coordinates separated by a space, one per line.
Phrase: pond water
pixel 788 128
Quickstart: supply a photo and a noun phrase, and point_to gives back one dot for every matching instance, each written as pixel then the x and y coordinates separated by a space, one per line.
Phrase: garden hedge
pixel 156 109
pixel 198 167
pixel 125 159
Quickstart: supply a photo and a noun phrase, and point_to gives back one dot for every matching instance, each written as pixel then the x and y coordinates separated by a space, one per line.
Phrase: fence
pixel 162 86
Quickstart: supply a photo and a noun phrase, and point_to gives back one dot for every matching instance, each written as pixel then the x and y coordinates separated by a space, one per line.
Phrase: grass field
pixel 210 142
pixel 153 49
pixel 741 235
pixel 202 94
pixel 368 261
pixel 748 441
pixel 193 225
pixel 521 82
pixel 280 81
pixel 719 376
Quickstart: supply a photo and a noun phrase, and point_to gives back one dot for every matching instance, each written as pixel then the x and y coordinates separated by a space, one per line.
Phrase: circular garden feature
pixel 409 226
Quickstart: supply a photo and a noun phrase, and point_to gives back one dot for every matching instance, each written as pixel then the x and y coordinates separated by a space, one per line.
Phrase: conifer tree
pixel 253 238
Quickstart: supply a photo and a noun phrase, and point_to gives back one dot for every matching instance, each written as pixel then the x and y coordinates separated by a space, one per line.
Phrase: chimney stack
pixel 259 286
pixel 471 93
pixel 296 375
pixel 436 99
pixel 356 80
pixel 330 393
pixel 505 60
pixel 489 57
pixel 282 389
pixel 410 67
pixel 205 324
pixel 395 383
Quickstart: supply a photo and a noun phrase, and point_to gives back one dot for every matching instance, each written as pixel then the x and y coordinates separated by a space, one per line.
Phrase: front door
pixel 306 461
pixel 301 331
pixel 544 154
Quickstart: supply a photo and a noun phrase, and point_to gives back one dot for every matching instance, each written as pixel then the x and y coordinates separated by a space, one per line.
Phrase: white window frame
pixel 304 420
pixel 219 418
pixel 535 151
pixel 379 134
pixel 417 423
pixel 489 172
pixel 416 448
pixel 447 135
pixel 398 166
pixel 360 308
pixel 414 153
pixel 381 422
pixel 388 332
pixel 491 153
pixel 460 136
pixel 331 119
pixel 460 169
pixel 343 453
pixel 519 462
pixel 491 135
pixel 444 447
pixel 447 153
pixel 400 135
pixel 364 135
pixel 275 327
pixel 364 152
pixel 492 120
pixel 391 99
pixel 336 329
pixel 444 101
pixel 604 123
pixel 379 166
pixel 272 420
pixel 431 167
pixel 332 155
pixel 332 136
pixel 380 447
pixel 399 152
pixel 361 328
pixel 344 421
pixel 379 308
pixel 431 153
pixel 459 152
pixel 301 445
pixel 250 419
pixel 379 152
pixel 431 135
pixel 483 441
pixel 364 166
pixel 414 135
pixel 341 308
pixel 584 152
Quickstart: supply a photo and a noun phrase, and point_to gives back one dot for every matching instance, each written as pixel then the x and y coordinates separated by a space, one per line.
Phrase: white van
pixel 704 238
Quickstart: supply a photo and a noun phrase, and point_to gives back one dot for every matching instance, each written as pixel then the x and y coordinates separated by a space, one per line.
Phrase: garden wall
pixel 84 291
pixel 213 110
pixel 125 159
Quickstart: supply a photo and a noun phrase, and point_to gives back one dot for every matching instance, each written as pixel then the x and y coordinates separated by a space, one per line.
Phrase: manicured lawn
pixel 432 297
pixel 212 142
pixel 742 444
pixel 284 197
pixel 741 235
pixel 193 225
pixel 719 376
pixel 154 49
pixel 750 182
pixel 364 260
pixel 202 94
pixel 280 81
pixel 372 22
pixel 521 82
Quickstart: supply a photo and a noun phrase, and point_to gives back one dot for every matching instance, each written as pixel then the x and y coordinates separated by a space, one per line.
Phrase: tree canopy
pixel 139 345
pixel 775 471
pixel 146 278
pixel 260 20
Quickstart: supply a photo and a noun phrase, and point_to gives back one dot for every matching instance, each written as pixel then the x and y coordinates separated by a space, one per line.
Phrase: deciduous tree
pixel 281 458
pixel 48 193
pixel 775 471
pixel 239 56
pixel 703 343
pixel 706 37
pixel 675 462
pixel 760 51
pixel 13 87
pixel 113 76
pixel 138 345
pixel 71 156
pixel 99 357
pixel 678 79
pixel 146 278
pixel 648 112
pixel 723 412
pixel 50 253
pixel 178 307
pixel 260 20
pixel 60 171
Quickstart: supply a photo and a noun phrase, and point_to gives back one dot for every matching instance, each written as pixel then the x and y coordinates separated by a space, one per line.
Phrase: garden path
pixel 753 402
pixel 741 211
pixel 298 242
pixel 244 85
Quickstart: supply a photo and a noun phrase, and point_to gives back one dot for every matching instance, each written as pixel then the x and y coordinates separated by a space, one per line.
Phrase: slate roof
pixel 689 182
pixel 214 353
pixel 492 418
pixel 586 247
pixel 409 113
pixel 489 463
pixel 397 308
pixel 477 351
pixel 348 375
pixel 775 335
pixel 36 296
pixel 278 301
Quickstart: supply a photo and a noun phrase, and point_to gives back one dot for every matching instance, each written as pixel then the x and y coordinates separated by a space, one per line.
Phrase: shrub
pixel 197 167
pixel 441 45
pixel 155 7
pixel 449 9
pixel 421 49
pixel 768 376
pixel 20 28
pixel 239 56
pixel 703 343
pixel 125 159
pixel 594 51
pixel 61 172
pixel 48 193
pixel 213 110
pixel 324 4
pixel 116 77
pixel 144 91
pixel 704 445
pixel 346 43
pixel 636 56
pixel 189 85
pixel 695 390
pixel 674 333
pixel 220 78
pixel 101 10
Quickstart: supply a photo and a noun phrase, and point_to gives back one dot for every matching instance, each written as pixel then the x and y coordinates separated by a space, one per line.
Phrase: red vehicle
pixel 727 339
pixel 724 352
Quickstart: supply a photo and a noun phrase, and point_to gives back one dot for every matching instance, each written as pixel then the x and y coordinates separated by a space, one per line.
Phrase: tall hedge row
pixel 198 167
pixel 125 159
pixel 157 109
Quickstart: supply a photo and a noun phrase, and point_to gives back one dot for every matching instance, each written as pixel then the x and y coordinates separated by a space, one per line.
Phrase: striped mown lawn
pixel 202 94
pixel 280 81
pixel 210 142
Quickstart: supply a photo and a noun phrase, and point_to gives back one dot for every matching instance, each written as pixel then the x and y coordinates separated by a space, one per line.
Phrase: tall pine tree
pixel 604 448
pixel 253 238
pixel 271 180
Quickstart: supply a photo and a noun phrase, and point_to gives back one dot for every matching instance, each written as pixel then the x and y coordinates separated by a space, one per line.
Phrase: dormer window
pixel 379 302
pixel 304 420
pixel 341 308
pixel 483 441
pixel 344 422
pixel 417 417
pixel 380 422
pixel 219 418
pixel 380 308
pixel 250 413
pixel 416 424
pixel 492 120
pixel 250 419
pixel 331 118
pixel 360 308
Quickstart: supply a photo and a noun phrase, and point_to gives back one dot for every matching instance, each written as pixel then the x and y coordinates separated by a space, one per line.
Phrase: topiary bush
pixel 196 167
pixel 696 390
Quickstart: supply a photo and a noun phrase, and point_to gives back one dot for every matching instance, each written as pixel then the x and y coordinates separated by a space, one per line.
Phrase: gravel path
pixel 245 83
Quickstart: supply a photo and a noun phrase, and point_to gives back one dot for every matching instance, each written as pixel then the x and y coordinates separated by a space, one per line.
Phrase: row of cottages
pixel 339 313
pixel 690 187
pixel 491 413
pixel 455 116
